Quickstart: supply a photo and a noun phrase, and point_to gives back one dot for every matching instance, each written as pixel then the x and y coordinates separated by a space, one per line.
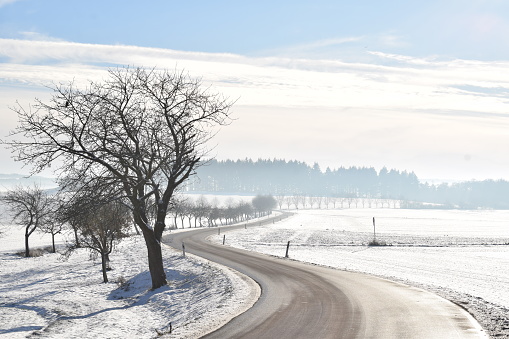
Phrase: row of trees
pixel 202 213
pixel 293 178
pixel 318 202
pixel 98 224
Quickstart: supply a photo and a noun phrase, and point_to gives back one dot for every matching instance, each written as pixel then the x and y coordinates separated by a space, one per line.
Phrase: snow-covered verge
pixel 461 255
pixel 51 297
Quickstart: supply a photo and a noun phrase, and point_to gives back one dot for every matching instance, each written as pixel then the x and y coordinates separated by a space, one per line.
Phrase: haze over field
pixel 418 86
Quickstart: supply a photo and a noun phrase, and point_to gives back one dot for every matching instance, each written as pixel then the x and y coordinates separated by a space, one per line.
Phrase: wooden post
pixel 287 247
pixel 374 230
pixel 224 238
pixel 183 249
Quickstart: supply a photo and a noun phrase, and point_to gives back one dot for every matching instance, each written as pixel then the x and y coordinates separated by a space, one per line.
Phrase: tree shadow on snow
pixel 20 329
pixel 138 288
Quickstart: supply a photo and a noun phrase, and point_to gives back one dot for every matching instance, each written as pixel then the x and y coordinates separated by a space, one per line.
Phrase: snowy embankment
pixel 51 297
pixel 460 255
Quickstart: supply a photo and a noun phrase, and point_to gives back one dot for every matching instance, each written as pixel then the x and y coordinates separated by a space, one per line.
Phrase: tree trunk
pixel 76 237
pixel 107 257
pixel 103 265
pixel 155 260
pixel 53 242
pixel 27 250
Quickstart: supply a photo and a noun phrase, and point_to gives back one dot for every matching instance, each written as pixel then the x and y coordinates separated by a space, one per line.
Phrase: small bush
pixel 36 252
pixel 375 242
pixel 123 283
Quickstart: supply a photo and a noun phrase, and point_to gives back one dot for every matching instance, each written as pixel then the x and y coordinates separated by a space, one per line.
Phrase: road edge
pixel 238 305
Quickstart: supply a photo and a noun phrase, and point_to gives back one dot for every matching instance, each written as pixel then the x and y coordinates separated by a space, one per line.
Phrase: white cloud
pixel 314 49
pixel 411 84
pixel 38 36
pixel 322 44
pixel 400 114
pixel 401 58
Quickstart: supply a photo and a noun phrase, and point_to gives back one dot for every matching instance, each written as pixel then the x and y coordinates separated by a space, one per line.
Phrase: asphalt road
pixel 300 300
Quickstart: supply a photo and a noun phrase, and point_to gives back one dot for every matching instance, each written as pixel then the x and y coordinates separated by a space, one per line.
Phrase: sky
pixel 420 86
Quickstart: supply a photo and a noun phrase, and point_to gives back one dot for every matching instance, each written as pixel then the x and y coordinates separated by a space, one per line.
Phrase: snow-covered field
pixel 51 297
pixel 461 255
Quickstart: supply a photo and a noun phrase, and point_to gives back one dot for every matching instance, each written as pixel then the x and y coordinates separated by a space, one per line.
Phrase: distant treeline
pixel 280 177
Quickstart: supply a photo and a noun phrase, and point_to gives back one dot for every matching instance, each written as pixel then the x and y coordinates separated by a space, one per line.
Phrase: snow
pixel 461 255
pixel 58 298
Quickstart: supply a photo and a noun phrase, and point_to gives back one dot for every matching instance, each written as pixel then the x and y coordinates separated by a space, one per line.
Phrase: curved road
pixel 300 300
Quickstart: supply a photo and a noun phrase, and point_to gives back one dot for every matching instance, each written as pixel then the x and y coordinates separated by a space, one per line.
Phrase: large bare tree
pixel 143 131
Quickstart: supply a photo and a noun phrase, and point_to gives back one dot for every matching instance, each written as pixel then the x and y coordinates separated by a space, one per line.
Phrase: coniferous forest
pixel 290 178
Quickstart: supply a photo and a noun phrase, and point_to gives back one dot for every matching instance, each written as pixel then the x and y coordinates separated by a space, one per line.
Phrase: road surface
pixel 300 300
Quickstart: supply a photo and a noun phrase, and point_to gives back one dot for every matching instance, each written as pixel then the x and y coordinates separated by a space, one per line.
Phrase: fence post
pixel 224 238
pixel 287 247
pixel 374 230
pixel 183 249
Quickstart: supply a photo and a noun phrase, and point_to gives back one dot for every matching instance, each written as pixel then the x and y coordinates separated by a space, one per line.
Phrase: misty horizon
pixel 48 174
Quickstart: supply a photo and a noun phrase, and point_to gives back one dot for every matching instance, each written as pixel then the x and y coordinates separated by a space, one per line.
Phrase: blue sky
pixel 450 28
pixel 412 85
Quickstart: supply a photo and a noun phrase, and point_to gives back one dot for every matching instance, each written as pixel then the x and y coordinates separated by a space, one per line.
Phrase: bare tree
pixel 56 221
pixel 179 209
pixel 264 204
pixel 280 198
pixel 296 200
pixel 319 200
pixel 350 200
pixel 311 201
pixel 101 227
pixel 245 210
pixel 53 227
pixel 327 200
pixel 142 131
pixel 202 208
pixel 342 200
pixel 288 202
pixel 334 201
pixel 30 207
